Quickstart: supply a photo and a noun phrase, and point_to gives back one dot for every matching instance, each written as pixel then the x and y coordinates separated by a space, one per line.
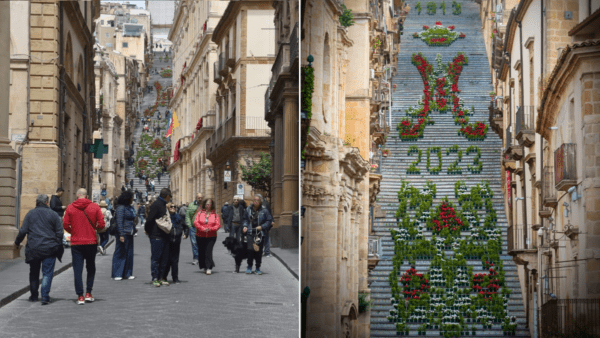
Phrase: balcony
pixel 379 127
pixel 217 78
pixel 208 123
pixel 230 57
pixel 571 318
pixel 375 251
pixel 268 99
pixel 495 119
pixel 526 125
pixel 565 170
pixel 221 135
pixel 548 192
pixel 256 127
pixel 519 248
pixel 375 99
pixel 281 64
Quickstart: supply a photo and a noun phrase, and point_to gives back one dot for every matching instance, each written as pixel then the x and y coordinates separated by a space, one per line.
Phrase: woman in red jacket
pixel 207 223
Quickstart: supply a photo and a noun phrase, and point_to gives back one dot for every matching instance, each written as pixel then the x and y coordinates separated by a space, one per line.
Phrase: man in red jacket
pixel 82 219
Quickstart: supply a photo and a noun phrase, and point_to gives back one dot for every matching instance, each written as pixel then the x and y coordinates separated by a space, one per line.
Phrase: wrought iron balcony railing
pixel 565 170
pixel 571 318
pixel 525 119
pixel 548 190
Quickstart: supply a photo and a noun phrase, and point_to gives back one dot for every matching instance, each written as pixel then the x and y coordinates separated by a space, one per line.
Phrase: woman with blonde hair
pixel 206 223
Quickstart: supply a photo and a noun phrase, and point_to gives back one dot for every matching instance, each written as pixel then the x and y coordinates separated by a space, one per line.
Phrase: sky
pixel 139 3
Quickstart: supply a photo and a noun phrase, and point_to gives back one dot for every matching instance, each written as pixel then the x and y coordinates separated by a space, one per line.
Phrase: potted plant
pixel 492 95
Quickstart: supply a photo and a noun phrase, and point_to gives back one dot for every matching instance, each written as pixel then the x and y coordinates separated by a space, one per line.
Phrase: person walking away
pixel 142 213
pixel 82 219
pixel 207 223
pixel 140 177
pixel 159 240
pixel 122 263
pixel 159 175
pixel 224 214
pixel 190 216
pixel 56 203
pixel 131 183
pixel 258 221
pixel 104 236
pixel 236 216
pixel 146 196
pixel 152 185
pixel 175 246
pixel 267 239
pixel 44 231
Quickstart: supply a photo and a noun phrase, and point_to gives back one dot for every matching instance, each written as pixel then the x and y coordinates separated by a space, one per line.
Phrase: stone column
pixel 277 174
pixel 289 235
pixel 8 157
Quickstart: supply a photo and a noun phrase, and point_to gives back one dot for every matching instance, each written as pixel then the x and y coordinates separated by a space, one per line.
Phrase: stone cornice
pixel 315 146
pixel 353 164
pixel 567 64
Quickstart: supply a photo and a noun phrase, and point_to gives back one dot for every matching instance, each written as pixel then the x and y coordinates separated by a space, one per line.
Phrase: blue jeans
pixel 79 254
pixel 194 244
pixel 122 263
pixel 267 244
pixel 159 258
pixel 142 220
pixel 47 266
pixel 104 237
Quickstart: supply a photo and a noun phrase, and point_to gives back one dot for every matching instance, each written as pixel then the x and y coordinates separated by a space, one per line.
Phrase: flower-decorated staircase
pixel 148 101
pixel 444 269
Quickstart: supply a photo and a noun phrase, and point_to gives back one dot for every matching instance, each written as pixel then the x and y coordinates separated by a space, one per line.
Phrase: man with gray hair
pixel 44 231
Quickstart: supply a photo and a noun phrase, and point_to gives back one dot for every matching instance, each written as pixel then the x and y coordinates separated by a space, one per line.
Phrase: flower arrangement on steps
pixel 438 35
pixel 151 154
pixel 453 169
pixel 451 297
pixel 408 130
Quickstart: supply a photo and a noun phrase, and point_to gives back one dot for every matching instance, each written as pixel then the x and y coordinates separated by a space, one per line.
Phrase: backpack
pixel 112 229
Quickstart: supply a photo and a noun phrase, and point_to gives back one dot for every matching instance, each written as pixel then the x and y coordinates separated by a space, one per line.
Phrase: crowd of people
pixel 90 226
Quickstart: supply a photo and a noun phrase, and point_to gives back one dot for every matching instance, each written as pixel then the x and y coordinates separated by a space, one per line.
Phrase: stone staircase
pixel 148 101
pixel 475 86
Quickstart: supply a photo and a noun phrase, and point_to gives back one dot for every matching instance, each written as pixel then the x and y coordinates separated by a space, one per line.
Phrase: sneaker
pixel 118 278
pixel 80 300
pixel 267 255
pixel 45 301
pixel 249 270
pixel 258 272
pixel 89 297
pixel 156 283
pixel 131 277
pixel 164 282
pixel 208 272
pixel 32 299
pixel 101 250
pixel 194 262
pixel 177 281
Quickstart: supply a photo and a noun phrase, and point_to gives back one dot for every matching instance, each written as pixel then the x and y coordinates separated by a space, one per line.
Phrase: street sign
pixel 240 189
pixel 227 176
pixel 98 148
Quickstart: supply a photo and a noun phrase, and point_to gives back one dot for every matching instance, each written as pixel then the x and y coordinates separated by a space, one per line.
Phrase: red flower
pixel 439 23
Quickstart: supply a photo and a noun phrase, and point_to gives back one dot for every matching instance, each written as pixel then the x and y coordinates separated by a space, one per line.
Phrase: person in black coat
pixel 234 216
pixel 44 231
pixel 56 203
pixel 179 228
pixel 159 240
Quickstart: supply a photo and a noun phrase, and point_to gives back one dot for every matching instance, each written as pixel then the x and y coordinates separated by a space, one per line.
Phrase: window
pixel 125 45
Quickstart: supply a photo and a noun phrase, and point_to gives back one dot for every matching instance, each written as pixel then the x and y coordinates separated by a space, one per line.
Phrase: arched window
pixel 69 56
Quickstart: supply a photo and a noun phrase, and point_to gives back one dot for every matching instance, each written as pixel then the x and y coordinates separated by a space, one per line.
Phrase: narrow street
pixel 223 304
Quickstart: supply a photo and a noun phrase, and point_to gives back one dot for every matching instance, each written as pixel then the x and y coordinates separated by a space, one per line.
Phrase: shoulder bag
pixel 164 223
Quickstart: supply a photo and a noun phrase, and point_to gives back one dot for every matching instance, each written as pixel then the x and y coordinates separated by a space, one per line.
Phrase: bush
pixel 347 18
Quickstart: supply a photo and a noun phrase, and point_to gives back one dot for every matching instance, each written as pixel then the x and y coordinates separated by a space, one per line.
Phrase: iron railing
pixel 525 119
pixel 280 63
pixel 222 62
pixel 508 137
pixel 565 170
pixel 268 99
pixel 548 192
pixel 375 162
pixel 375 248
pixel 516 238
pixel 257 126
pixel 216 71
pixel 294 44
pixel 571 318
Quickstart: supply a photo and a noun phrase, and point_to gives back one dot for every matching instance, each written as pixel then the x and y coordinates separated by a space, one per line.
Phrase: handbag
pixel 164 223
pixel 257 241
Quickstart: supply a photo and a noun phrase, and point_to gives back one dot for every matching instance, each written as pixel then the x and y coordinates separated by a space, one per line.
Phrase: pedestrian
pixel 152 184
pixel 82 219
pixel 159 175
pixel 122 263
pixel 267 239
pixel 190 216
pixel 159 240
pixel 104 236
pixel 158 130
pixel 43 228
pixel 159 115
pixel 142 213
pixel 258 221
pixel 235 218
pixel 146 128
pixel 224 214
pixel 175 246
pixel 140 177
pixel 56 203
pixel 146 196
pixel 207 223
pixel 131 183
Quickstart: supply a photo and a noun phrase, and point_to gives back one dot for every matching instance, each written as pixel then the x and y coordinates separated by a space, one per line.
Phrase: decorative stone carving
pixel 374 187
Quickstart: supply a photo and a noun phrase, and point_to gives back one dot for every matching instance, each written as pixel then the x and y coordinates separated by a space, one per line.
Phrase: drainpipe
pixel 541 161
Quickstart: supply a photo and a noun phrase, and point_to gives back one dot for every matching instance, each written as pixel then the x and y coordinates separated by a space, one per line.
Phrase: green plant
pixel 307 89
pixel 456 8
pixel 347 18
pixel 258 174
pixel 363 303
pixel 431 8
pixel 443 7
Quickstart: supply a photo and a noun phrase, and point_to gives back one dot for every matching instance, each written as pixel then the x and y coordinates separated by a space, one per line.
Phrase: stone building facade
pixel 194 98
pixel 545 57
pixel 281 112
pixel 55 75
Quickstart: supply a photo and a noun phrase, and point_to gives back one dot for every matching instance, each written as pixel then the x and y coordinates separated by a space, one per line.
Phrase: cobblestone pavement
pixel 223 304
